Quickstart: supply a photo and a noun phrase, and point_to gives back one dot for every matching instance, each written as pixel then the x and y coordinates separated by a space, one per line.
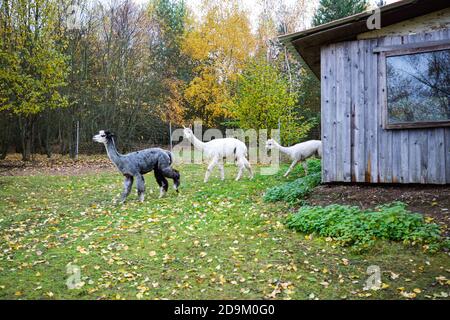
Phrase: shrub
pixel 294 191
pixel 351 226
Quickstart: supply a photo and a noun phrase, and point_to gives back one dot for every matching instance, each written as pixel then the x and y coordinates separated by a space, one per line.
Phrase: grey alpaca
pixel 134 165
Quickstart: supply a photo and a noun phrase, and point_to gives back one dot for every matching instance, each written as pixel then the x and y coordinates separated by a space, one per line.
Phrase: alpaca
pixel 134 165
pixel 298 152
pixel 219 149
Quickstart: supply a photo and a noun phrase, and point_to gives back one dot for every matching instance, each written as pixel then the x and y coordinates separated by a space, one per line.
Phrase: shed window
pixel 418 88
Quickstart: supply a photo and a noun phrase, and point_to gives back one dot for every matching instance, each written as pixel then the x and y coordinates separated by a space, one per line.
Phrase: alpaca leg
pixel 164 187
pixel 170 173
pixel 162 182
pixel 140 184
pixel 127 184
pixel 305 167
pixel 249 168
pixel 158 177
pixel 222 171
pixel 294 163
pixel 241 166
pixel 210 168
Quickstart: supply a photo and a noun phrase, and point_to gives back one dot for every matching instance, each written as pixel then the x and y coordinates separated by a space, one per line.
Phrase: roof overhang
pixel 307 43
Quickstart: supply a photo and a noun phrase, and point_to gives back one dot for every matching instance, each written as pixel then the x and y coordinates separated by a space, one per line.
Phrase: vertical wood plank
pixel 340 109
pixel 447 154
pixel 325 114
pixel 346 127
pixel 414 156
pixel 433 156
pixel 332 111
pixel 404 156
pixel 357 97
pixel 371 106
pixel 383 144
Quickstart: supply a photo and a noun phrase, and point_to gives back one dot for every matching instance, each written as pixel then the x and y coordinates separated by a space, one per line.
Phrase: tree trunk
pixel 4 135
pixel 26 128
pixel 47 144
pixel 3 151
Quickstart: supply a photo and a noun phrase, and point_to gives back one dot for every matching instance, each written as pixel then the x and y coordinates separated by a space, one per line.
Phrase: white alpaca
pixel 298 152
pixel 218 149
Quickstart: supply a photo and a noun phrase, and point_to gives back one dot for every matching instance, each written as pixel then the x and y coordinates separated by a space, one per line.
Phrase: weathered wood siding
pixel 356 147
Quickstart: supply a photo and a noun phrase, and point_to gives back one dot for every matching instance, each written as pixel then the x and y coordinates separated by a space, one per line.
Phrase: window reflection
pixel 418 87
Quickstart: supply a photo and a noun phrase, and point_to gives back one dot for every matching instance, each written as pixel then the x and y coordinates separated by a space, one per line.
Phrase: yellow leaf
pixel 409 295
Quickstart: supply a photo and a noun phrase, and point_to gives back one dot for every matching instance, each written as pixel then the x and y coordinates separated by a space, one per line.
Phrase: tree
pixel 170 66
pixel 34 69
pixel 330 10
pixel 263 99
pixel 220 44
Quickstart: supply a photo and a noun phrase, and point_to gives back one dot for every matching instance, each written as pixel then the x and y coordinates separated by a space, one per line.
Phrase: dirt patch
pixel 56 165
pixel 430 200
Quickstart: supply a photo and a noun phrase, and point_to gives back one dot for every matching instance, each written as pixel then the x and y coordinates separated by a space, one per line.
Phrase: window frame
pixel 401 50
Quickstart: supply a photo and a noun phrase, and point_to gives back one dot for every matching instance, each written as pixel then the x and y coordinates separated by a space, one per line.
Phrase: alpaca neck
pixel 286 150
pixel 197 143
pixel 113 155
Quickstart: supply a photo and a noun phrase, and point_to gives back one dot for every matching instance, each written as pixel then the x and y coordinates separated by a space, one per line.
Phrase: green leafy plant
pixel 351 226
pixel 295 191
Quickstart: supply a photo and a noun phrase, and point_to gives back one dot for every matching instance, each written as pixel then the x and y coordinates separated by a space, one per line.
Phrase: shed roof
pixel 307 43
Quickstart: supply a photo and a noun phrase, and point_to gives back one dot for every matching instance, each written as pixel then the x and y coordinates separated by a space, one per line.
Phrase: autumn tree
pixel 220 44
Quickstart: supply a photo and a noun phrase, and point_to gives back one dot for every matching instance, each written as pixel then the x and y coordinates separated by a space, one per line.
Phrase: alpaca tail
pixel 170 157
pixel 241 154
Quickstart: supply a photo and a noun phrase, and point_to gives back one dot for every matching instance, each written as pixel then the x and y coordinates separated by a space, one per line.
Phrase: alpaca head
pixel 103 136
pixel 188 133
pixel 270 144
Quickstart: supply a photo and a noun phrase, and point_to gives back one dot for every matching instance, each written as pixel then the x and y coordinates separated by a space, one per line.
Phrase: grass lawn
pixel 212 241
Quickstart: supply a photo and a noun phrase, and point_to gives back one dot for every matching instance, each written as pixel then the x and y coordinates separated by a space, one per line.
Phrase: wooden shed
pixel 385 93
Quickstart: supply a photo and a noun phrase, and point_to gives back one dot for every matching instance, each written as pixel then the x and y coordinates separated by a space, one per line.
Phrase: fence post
pixel 77 141
pixel 170 135
pixel 279 127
